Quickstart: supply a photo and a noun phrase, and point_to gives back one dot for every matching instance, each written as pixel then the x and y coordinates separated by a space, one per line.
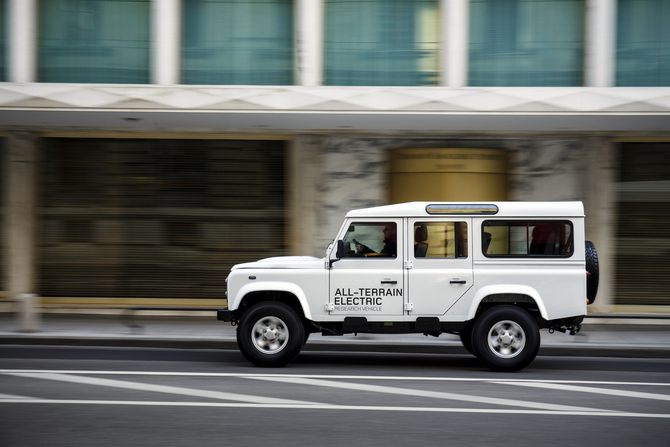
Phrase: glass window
pixel 440 240
pixel 519 238
pixel 643 43
pixel 381 42
pixel 3 39
pixel 94 41
pixel 238 42
pixel 526 42
pixel 371 239
pixel 178 214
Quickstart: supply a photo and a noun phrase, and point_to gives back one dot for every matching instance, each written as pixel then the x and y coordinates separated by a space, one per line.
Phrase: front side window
pixel 381 42
pixel 525 238
pixel 371 240
pixel 526 43
pixel 440 240
pixel 104 41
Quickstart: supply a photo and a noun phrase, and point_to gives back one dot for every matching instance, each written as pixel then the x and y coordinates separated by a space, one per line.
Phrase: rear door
pixel 439 254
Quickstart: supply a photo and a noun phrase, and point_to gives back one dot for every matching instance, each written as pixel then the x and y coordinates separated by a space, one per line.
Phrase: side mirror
pixel 339 253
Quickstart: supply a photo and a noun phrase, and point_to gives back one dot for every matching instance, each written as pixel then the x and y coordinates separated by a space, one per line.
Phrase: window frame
pixel 374 255
pixel 456 224
pixel 529 222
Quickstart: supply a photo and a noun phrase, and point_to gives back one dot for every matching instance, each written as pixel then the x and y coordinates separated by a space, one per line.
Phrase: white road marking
pixel 583 389
pixel 160 388
pixel 339 408
pixel 324 376
pixel 13 396
pixel 423 393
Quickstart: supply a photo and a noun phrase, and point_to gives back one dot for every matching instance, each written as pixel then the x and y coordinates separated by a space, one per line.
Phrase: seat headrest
pixel 420 234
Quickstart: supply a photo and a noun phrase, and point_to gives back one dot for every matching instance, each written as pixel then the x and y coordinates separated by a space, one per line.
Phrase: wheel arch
pixel 287 293
pixel 523 296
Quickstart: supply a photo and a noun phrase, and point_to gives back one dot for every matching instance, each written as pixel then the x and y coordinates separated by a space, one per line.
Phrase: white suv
pixel 493 273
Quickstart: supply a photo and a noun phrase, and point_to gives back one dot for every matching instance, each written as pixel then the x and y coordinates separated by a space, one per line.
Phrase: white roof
pixel 505 209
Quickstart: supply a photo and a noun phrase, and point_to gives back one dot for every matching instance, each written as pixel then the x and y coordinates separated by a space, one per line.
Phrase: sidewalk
pixel 599 338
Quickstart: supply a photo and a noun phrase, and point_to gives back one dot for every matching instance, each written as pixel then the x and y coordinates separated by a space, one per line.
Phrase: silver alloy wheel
pixel 506 339
pixel 269 335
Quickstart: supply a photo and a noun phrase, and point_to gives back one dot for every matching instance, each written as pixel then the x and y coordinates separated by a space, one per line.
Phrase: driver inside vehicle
pixel 390 243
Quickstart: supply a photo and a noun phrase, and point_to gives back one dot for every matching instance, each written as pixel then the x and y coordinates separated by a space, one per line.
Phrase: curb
pixel 621 351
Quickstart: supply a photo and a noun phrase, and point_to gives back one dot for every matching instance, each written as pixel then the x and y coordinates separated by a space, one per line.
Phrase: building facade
pixel 148 145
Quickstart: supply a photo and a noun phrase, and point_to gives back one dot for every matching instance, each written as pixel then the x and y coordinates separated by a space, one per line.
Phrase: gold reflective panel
pixel 448 175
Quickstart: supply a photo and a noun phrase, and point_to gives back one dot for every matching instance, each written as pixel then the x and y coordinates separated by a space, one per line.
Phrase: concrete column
pixel 309 35
pixel 454 29
pixel 304 174
pixel 600 204
pixel 20 225
pixel 166 41
pixel 22 40
pixel 600 42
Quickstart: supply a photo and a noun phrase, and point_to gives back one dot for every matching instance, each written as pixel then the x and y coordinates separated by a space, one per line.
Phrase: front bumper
pixel 223 315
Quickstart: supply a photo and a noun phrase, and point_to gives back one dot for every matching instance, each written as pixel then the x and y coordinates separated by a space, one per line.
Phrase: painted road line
pixel 326 376
pixel 260 407
pixel 13 396
pixel 160 388
pixel 423 393
pixel 583 389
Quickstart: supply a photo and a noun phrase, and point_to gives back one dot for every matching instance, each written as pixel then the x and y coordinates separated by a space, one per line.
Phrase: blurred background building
pixel 148 145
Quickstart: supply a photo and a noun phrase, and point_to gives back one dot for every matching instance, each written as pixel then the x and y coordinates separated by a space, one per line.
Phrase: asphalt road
pixel 51 396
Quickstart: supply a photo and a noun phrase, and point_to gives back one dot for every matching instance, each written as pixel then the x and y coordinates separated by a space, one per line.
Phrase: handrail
pixel 631 316
pixel 128 314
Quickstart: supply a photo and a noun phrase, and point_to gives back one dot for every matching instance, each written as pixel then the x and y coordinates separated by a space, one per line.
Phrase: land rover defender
pixel 492 273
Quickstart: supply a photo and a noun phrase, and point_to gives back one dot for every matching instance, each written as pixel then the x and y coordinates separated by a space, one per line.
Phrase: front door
pixel 440 253
pixel 368 280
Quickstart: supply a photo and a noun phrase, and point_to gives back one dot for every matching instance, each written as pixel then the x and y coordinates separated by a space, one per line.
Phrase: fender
pixel 272 286
pixel 506 288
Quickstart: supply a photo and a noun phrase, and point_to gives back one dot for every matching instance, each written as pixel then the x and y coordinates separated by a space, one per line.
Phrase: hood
pixel 284 262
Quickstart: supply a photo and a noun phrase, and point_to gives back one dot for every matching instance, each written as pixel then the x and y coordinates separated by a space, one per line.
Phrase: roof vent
pixel 487 210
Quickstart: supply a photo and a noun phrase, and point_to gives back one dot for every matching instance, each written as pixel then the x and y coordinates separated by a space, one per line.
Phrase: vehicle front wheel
pixel 270 334
pixel 506 338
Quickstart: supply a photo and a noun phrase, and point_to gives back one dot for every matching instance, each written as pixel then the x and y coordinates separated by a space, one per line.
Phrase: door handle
pixel 389 282
pixel 457 281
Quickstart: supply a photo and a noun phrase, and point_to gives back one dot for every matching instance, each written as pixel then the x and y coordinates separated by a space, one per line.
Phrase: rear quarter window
pixel 507 238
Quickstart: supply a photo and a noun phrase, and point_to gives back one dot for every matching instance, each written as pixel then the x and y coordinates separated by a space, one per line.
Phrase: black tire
pixel 592 267
pixel 506 338
pixel 270 334
pixel 466 339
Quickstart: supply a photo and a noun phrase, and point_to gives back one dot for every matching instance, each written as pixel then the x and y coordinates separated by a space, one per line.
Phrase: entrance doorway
pixel 448 175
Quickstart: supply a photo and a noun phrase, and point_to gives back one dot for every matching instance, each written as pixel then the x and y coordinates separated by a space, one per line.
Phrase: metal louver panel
pixel 3 210
pixel 643 234
pixel 156 218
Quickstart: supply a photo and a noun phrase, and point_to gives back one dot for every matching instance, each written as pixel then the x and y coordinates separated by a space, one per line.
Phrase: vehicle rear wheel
pixel 466 339
pixel 506 338
pixel 270 334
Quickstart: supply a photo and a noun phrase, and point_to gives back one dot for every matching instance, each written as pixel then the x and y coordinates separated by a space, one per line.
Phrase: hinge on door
pixel 409 307
pixel 330 307
pixel 409 264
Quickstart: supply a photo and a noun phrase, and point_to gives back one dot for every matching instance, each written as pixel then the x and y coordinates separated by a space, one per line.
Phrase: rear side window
pixel 527 238
pixel 440 240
